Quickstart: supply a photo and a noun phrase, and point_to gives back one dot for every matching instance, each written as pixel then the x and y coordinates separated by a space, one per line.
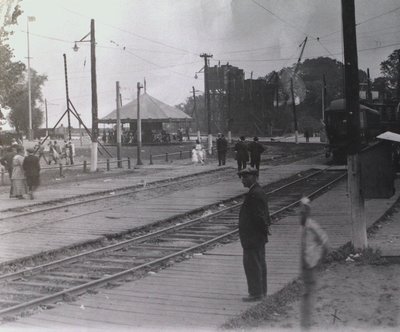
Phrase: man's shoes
pixel 252 298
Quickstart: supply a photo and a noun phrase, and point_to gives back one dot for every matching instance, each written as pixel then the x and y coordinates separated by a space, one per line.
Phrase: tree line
pixel 14 78
pixel 264 106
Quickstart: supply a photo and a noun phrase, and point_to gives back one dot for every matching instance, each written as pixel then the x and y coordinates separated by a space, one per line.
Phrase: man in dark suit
pixel 254 220
pixel 222 148
pixel 255 149
pixel 242 154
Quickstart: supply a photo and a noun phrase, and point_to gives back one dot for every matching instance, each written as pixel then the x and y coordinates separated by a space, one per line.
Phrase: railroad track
pixel 101 202
pixel 115 193
pixel 112 194
pixel 51 282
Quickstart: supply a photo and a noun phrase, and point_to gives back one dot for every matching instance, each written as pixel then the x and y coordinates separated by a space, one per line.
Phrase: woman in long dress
pixel 18 180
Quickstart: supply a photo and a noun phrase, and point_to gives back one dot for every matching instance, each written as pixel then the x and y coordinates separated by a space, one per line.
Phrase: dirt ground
pixel 362 297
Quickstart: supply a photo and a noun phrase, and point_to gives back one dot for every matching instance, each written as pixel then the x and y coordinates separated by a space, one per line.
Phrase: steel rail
pixel 81 288
pixel 134 188
pixel 144 237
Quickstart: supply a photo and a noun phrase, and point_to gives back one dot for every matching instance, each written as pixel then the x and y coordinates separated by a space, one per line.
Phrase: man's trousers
pixel 255 268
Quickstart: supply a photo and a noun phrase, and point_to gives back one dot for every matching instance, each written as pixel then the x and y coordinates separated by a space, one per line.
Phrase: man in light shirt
pixel 314 245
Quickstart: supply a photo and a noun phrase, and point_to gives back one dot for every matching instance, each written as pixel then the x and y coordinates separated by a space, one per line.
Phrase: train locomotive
pixel 374 119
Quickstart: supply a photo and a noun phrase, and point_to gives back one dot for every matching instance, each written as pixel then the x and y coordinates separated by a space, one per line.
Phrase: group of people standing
pixel 57 153
pixel 243 152
pixel 24 171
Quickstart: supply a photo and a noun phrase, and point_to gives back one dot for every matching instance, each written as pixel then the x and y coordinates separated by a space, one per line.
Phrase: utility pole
pixel 323 92
pixel 398 76
pixel 369 92
pixel 207 95
pixel 47 119
pixel 118 101
pixel 296 131
pixel 195 113
pixel 30 129
pixel 139 126
pixel 229 95
pixel 95 129
pixel 67 96
pixel 359 232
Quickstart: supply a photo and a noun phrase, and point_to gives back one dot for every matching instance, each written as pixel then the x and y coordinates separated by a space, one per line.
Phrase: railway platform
pixel 206 290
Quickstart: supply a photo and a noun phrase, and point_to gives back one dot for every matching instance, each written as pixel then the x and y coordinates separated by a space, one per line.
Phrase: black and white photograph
pixel 200 165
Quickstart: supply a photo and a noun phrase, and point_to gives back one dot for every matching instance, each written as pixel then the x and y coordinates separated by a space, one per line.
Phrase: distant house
pixel 154 114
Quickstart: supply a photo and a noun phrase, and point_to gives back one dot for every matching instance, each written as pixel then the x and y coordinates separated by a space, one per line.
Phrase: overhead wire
pixel 130 32
pixel 282 20
pixel 378 16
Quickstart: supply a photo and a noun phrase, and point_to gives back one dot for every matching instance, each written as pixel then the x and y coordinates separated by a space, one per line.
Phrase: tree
pixel 18 103
pixel 11 72
pixel 13 78
pixel 390 69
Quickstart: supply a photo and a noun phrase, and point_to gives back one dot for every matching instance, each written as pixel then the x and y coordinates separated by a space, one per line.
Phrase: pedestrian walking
pixel 222 148
pixel 66 152
pixel 254 221
pixel 242 154
pixel 40 150
pixel 18 180
pixel 314 245
pixel 255 149
pixel 54 155
pixel 31 166
pixel 7 162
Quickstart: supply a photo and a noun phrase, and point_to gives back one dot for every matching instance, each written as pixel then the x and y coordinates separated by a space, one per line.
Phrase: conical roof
pixel 151 109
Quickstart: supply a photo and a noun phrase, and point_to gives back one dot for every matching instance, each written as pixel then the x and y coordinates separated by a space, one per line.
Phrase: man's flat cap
pixel 30 150
pixel 248 171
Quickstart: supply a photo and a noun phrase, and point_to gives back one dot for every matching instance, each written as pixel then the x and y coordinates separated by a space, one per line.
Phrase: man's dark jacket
pixel 242 154
pixel 254 219
pixel 255 149
pixel 31 166
pixel 222 144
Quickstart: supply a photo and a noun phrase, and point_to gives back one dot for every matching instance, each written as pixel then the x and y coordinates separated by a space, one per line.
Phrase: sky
pixel 161 40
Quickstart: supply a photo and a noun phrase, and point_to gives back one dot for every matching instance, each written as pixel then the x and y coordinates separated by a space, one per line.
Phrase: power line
pixel 307 57
pixel 362 22
pixel 282 20
pixel 130 32
pixel 113 74
pixel 377 16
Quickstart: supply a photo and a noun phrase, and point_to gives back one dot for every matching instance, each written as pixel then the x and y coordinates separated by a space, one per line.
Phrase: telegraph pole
pixel 47 119
pixel 30 128
pixel 195 113
pixel 118 125
pixel 229 95
pixel 398 75
pixel 207 95
pixel 369 92
pixel 323 92
pixel 296 131
pixel 67 95
pixel 95 129
pixel 139 126
pixel 359 230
